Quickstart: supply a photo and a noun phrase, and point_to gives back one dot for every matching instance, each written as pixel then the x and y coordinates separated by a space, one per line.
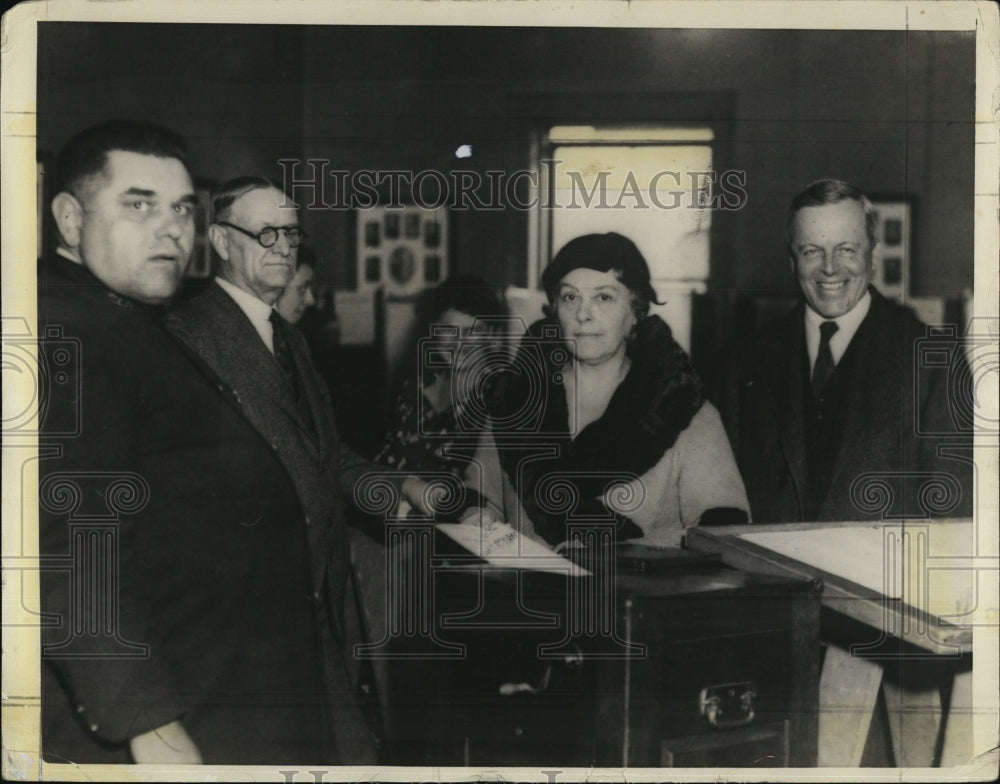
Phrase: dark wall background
pixel 891 111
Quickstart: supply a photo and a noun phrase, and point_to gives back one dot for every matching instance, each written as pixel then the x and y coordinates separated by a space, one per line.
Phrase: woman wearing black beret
pixel 603 407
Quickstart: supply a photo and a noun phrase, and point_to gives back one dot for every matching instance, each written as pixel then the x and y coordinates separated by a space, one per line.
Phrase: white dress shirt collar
pixel 847 325
pixel 68 255
pixel 258 311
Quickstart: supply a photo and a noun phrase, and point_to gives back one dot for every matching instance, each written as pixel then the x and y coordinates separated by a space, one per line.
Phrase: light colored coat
pixel 696 474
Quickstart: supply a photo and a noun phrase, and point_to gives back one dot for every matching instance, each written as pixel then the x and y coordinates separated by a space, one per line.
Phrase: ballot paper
pixel 501 545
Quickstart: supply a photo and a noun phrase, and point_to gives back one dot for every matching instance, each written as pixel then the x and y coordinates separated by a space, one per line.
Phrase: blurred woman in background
pixel 298 294
pixel 425 418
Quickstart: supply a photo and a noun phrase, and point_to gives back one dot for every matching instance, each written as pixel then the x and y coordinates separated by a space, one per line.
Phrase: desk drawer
pixel 764 746
pixel 639 697
pixel 716 669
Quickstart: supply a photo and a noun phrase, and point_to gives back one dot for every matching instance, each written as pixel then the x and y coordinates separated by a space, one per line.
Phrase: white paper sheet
pixel 501 545
pixel 922 563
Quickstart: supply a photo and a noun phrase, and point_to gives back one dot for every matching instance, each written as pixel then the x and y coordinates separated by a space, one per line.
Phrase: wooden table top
pixel 913 580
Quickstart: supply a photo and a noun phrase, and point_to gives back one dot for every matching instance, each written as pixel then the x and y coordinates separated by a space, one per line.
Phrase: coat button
pixel 308 520
pixel 93 728
pixel 316 595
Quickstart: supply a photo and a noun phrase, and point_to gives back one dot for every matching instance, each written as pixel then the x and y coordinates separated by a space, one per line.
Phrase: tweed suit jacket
pixel 215 327
pixel 320 468
pixel 900 437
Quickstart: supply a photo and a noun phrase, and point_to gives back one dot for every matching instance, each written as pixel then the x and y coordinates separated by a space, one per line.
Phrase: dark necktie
pixel 283 354
pixel 824 366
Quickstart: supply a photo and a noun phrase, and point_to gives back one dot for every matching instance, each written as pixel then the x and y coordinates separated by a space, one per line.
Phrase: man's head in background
pixel 124 207
pixel 255 230
pixel 831 239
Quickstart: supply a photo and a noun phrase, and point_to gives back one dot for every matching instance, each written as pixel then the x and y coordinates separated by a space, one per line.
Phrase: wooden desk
pixel 691 664
pixel 899 581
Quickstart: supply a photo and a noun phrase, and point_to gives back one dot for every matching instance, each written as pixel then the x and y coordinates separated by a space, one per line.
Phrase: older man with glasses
pixel 266 367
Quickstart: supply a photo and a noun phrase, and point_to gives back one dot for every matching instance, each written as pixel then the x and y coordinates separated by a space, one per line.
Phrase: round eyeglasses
pixel 269 234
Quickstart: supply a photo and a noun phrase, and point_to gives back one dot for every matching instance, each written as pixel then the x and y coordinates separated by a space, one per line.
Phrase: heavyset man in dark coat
pixel 211 641
pixel 854 425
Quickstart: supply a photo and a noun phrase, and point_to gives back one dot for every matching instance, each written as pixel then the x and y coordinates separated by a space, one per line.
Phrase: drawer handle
pixel 571 662
pixel 728 704
pixel 510 689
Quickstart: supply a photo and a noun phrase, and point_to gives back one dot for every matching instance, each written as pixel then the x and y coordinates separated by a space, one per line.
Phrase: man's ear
pixel 219 240
pixel 68 213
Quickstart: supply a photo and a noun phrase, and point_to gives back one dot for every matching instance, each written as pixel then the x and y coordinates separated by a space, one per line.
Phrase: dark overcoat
pixel 176 568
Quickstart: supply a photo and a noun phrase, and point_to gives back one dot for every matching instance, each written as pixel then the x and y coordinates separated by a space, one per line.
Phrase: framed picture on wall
pixel 401 249
pixel 893 254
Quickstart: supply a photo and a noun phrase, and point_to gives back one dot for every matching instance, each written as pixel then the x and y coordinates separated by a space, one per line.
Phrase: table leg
pixel 914 722
pixel 958 724
pixel 848 690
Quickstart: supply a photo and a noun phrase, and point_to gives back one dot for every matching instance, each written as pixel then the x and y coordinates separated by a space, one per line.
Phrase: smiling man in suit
pixel 831 403
pixel 266 364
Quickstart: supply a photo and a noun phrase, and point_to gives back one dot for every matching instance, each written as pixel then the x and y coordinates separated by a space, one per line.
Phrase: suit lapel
pixel 789 386
pixel 253 366
pixel 222 339
pixel 866 415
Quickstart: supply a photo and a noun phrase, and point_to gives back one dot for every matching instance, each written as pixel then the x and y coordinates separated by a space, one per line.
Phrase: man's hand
pixel 166 745
pixel 414 492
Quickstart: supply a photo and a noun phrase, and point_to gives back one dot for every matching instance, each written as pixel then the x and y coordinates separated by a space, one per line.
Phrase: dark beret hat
pixel 601 252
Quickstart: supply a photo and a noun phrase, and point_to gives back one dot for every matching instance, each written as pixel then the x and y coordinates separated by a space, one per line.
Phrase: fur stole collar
pixel 647 412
